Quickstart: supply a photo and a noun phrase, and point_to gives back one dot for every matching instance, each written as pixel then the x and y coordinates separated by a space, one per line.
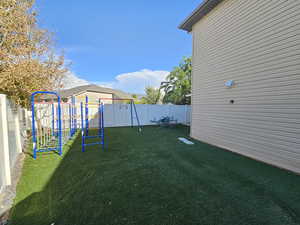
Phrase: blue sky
pixel 121 44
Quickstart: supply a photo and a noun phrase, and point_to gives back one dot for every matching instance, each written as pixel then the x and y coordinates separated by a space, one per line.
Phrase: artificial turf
pixel 151 178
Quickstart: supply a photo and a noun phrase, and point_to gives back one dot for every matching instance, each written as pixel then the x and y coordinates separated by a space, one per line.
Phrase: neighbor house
pixel 246 78
pixel 94 93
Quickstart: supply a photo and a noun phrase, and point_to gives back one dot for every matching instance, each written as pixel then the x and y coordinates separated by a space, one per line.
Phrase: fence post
pixel 4 147
pixel 18 130
pixel 28 119
pixel 114 116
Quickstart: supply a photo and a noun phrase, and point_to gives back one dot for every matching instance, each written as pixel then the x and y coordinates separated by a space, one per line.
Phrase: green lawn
pixel 150 178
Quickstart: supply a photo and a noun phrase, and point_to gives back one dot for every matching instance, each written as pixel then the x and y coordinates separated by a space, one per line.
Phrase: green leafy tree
pixel 152 96
pixel 178 84
pixel 136 99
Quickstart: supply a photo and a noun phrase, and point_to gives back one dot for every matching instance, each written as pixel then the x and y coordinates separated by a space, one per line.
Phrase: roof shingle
pixel 94 88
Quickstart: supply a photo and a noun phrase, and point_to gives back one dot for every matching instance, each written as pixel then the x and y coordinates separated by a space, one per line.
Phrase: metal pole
pixel 131 114
pixel 137 117
pixel 59 126
pixel 102 125
pixel 57 121
pixel 87 115
pixel 74 115
pixel 53 120
pixel 82 127
pixel 70 120
pixel 99 118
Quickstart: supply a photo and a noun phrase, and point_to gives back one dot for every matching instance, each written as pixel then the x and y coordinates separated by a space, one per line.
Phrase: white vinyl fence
pixel 13 123
pixel 118 115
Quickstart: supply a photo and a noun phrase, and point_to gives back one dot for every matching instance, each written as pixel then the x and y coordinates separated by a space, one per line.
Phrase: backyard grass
pixel 151 178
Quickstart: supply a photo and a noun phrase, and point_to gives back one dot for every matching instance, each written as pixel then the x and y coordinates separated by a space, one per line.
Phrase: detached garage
pixel 246 78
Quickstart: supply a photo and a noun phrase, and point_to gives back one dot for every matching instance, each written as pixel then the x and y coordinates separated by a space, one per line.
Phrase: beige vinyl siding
pixel 257 44
pixel 94 97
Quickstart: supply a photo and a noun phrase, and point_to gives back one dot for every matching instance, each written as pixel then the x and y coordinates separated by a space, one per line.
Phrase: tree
pixel 136 99
pixel 152 96
pixel 178 84
pixel 27 59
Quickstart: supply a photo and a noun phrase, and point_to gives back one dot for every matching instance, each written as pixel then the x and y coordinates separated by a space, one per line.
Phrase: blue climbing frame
pixel 85 124
pixel 53 123
pixel 40 138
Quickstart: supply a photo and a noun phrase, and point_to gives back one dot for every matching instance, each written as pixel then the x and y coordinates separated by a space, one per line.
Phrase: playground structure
pixel 92 117
pixel 85 123
pixel 55 122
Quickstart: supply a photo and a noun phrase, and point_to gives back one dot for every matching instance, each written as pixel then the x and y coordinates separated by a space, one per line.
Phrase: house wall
pixel 257 44
pixel 94 97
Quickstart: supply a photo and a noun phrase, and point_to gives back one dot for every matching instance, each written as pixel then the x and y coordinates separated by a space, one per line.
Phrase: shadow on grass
pixel 152 178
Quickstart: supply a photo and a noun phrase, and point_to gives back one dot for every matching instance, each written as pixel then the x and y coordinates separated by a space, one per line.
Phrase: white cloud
pixel 72 80
pixel 136 82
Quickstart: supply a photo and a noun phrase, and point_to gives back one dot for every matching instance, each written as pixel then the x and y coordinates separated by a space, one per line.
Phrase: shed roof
pixel 203 9
pixel 93 88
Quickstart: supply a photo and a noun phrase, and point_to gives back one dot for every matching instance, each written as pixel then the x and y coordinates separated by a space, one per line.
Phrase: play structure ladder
pixel 85 126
